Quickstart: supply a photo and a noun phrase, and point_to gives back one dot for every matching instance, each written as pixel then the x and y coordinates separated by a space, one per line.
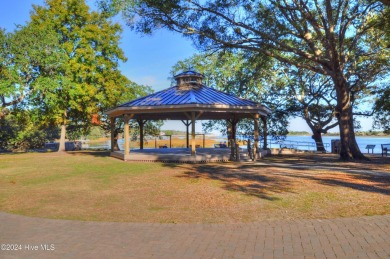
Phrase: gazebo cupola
pixel 188 80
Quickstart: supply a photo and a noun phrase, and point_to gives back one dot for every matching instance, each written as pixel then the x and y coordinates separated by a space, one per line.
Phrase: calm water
pixel 362 142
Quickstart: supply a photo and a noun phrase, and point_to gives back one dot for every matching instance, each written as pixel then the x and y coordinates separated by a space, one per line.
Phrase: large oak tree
pixel 90 80
pixel 332 38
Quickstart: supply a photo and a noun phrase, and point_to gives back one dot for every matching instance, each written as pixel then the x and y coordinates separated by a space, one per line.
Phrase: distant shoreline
pixel 357 134
pixel 363 136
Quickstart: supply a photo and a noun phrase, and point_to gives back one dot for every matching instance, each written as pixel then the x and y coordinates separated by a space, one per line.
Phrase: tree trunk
pixel 265 132
pixel 61 147
pixel 229 131
pixel 115 144
pixel 349 146
pixel 317 137
pixel 234 131
pixel 316 130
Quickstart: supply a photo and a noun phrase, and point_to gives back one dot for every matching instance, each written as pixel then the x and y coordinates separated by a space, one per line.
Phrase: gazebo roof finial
pixel 189 79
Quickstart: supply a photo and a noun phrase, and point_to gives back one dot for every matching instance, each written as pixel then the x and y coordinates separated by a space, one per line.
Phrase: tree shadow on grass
pixel 265 181
pixel 247 181
pixel 362 179
pixel 380 186
pixel 330 160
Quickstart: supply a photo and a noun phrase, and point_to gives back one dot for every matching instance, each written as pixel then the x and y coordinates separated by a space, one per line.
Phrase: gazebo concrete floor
pixel 181 155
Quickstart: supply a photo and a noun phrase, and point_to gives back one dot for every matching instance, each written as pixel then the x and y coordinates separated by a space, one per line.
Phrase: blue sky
pixel 150 58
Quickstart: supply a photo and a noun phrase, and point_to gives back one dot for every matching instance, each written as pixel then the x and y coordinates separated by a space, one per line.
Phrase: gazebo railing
pixel 302 145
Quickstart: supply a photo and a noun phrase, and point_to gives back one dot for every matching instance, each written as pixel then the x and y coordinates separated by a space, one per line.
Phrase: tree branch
pixel 325 130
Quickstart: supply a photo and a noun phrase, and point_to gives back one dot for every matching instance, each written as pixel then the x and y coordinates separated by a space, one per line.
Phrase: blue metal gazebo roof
pixel 200 95
pixel 190 95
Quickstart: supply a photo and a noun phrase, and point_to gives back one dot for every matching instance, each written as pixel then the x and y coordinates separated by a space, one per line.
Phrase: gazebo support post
pixel 229 131
pixel 187 124
pixel 232 129
pixel 127 134
pixel 193 149
pixel 265 130
pixel 256 135
pixel 112 127
pixel 141 133
pixel 187 134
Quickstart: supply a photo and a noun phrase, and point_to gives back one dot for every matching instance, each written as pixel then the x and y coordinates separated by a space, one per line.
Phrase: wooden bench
pixel 385 149
pixel 368 147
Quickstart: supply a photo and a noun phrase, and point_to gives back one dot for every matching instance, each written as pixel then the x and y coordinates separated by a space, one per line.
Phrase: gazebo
pixel 189 100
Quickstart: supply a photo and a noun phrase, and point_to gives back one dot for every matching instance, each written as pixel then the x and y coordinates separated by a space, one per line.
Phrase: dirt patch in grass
pixel 93 186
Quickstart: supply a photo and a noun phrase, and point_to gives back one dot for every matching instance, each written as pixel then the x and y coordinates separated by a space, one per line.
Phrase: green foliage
pixel 298 133
pixel 19 131
pixel 96 132
pixel 8 130
pixel 291 31
pixel 382 108
pixel 29 60
pixel 130 92
pixel 382 23
pixel 247 76
pixel 173 132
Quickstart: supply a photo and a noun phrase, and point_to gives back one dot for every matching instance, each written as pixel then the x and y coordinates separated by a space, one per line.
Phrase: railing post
pixel 126 135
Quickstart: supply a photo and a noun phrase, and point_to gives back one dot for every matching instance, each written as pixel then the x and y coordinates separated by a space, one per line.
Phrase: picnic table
pixel 368 147
pixel 385 149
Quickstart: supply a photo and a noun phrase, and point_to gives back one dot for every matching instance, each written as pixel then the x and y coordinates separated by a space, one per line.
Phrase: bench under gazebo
pixel 189 100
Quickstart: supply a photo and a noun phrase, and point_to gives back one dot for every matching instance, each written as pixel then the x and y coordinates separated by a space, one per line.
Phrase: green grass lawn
pixel 94 186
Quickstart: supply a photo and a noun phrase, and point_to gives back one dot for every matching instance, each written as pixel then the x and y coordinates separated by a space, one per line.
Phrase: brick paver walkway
pixel 363 237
